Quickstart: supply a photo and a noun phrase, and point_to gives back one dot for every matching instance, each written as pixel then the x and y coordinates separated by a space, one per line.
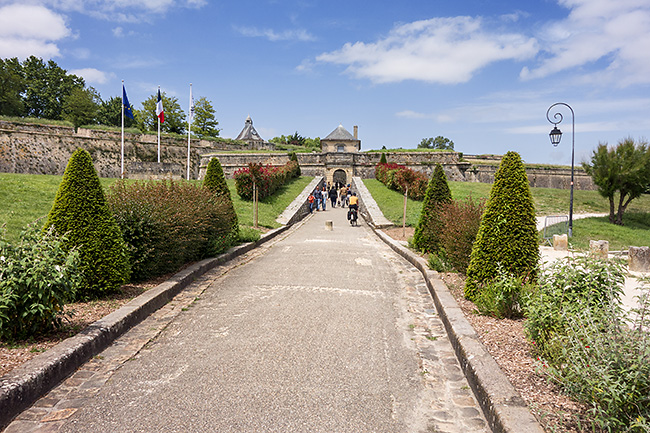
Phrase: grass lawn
pixel 28 197
pixel 548 201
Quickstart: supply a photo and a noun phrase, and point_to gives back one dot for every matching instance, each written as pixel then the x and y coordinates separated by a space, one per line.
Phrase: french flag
pixel 159 108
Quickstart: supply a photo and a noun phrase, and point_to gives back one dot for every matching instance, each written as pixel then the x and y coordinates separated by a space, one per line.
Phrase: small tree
pixel 204 124
pixel 507 236
pixel 427 233
pixel 216 182
pixel 624 169
pixel 175 120
pixel 81 213
pixel 80 107
pixel 383 159
pixel 440 142
pixel 294 157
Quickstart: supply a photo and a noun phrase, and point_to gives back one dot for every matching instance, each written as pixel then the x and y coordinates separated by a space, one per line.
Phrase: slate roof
pixel 340 133
pixel 249 133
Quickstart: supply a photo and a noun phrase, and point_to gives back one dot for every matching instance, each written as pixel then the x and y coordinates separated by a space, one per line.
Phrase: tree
pixel 12 85
pixel 428 231
pixel 175 120
pixel 296 139
pixel 109 113
pixel 80 107
pixel 439 142
pixel 294 157
pixel 204 123
pixel 46 88
pixel 382 159
pixel 507 236
pixel 624 169
pixel 81 213
pixel 312 143
pixel 215 181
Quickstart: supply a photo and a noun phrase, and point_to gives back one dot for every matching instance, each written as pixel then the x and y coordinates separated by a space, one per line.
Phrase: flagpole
pixel 122 151
pixel 158 131
pixel 189 130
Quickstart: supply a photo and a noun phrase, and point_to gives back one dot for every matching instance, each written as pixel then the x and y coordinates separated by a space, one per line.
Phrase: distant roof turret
pixel 249 134
pixel 340 133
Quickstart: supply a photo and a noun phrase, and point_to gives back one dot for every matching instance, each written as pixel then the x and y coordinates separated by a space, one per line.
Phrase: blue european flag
pixel 125 102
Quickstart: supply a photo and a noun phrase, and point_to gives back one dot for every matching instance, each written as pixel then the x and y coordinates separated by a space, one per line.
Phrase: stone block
pixel 560 242
pixel 599 249
pixel 639 259
pixel 329 225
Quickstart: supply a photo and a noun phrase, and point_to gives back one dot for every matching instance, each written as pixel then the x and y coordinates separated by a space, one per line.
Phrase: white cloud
pixel 438 50
pixel 127 11
pixel 274 36
pixel 27 30
pixel 92 75
pixel 614 31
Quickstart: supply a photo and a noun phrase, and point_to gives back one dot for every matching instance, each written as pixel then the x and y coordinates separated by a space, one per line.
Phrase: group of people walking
pixel 338 194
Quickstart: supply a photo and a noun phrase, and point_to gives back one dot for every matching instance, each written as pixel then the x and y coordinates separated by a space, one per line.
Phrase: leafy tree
pixel 507 236
pixel 204 123
pixel 428 231
pixel 46 88
pixel 296 139
pixel 624 169
pixel 81 213
pixel 175 120
pixel 439 142
pixel 12 84
pixel 312 143
pixel 80 106
pixel 279 140
pixel 109 113
pixel 215 181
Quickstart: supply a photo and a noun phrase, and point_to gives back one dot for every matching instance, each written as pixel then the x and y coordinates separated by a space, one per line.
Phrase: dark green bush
pixel 167 224
pixel 460 221
pixel 294 157
pixel 507 234
pixel 215 181
pixel 81 213
pixel 383 159
pixel 38 276
pixel 504 296
pixel 429 229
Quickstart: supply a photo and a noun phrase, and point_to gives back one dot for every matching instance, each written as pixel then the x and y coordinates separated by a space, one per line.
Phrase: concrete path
pixel 320 331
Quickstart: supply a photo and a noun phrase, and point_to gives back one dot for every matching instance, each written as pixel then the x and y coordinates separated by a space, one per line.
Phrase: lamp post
pixel 555 136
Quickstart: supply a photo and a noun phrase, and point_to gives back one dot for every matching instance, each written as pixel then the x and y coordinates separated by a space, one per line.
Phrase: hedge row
pixel 398 178
pixel 267 179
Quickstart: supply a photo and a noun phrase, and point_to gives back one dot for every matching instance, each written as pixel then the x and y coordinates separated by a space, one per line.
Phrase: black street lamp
pixel 555 136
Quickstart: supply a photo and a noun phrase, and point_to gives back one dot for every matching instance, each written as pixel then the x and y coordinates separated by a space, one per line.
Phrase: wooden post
pixel 406 193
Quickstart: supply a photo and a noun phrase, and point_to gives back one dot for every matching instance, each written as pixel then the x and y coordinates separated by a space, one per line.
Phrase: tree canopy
pixel 175 120
pixel 80 106
pixel 204 124
pixel 440 142
pixel 622 170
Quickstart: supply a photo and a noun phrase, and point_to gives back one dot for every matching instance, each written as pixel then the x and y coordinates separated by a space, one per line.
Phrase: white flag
pixel 191 115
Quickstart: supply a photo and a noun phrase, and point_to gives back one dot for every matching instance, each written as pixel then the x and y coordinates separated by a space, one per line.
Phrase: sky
pixel 481 73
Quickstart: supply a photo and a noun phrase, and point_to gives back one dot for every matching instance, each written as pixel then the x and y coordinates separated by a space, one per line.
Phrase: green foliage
pixel 12 84
pixel 215 181
pixel 565 288
pixel 427 233
pixel 38 276
pixel 504 296
pixel 267 179
pixel 167 224
pixel 248 234
pixel 399 178
pixel 109 113
pixel 294 157
pixel 175 120
pixel 438 262
pixel 80 106
pixel 288 142
pixel 81 213
pixel 440 143
pixel 204 124
pixel 460 221
pixel 383 159
pixel 622 170
pixel 507 235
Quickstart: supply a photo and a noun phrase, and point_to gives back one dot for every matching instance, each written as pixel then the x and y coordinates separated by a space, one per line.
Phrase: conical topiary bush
pixel 215 180
pixel 507 236
pixel 80 211
pixel 427 233
pixel 382 159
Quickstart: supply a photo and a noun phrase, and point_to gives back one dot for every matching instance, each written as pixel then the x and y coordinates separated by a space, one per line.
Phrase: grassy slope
pixel 636 231
pixel 26 198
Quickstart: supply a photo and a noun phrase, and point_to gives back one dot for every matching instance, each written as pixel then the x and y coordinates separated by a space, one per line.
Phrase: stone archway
pixel 339 176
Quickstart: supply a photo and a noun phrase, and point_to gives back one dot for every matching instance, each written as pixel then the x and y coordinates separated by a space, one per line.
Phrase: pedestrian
pixel 311 200
pixel 324 196
pixel 317 198
pixel 343 193
pixel 333 194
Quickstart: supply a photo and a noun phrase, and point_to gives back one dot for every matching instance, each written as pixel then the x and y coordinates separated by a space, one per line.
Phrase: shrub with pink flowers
pixel 269 179
pixel 399 178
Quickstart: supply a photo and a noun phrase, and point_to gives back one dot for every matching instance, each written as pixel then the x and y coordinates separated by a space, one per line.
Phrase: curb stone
pixel 22 386
pixel 503 407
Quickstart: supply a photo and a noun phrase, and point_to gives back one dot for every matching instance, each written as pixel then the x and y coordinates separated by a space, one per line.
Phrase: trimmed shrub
pixel 294 157
pixel 429 229
pixel 460 222
pixel 215 181
pixel 269 179
pixel 81 214
pixel 38 276
pixel 504 296
pixel 167 224
pixel 397 177
pixel 383 159
pixel 507 234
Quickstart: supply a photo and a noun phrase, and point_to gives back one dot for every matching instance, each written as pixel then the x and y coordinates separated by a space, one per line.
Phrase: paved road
pixel 322 331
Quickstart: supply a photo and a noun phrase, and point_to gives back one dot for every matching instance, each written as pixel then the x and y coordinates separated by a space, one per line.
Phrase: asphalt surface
pixel 325 331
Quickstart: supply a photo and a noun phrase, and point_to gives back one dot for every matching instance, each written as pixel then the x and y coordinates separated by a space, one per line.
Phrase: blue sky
pixel 482 73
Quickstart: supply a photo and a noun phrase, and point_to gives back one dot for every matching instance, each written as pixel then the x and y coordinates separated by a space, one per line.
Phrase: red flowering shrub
pixel 269 179
pixel 397 177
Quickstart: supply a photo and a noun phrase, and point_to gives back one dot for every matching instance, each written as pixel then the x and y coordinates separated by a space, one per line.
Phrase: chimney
pixel 356 132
